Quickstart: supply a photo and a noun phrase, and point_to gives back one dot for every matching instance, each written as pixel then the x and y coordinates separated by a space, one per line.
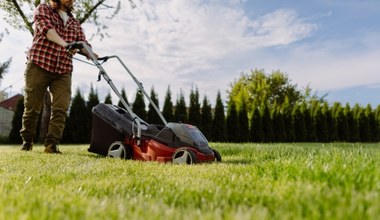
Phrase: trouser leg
pixel 36 84
pixel 60 89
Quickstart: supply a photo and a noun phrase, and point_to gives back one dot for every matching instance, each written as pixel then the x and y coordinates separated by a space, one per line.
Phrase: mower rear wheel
pixel 119 150
pixel 217 155
pixel 184 156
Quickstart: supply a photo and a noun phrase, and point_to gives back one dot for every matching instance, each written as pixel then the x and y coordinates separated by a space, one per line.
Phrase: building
pixel 7 109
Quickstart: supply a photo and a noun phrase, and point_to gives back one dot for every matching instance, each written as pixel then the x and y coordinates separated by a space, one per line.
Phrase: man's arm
pixel 53 36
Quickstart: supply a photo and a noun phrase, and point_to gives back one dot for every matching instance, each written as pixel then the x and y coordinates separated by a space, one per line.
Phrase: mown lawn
pixel 254 181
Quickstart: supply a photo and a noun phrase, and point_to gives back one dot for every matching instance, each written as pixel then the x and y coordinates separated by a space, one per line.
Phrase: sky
pixel 332 46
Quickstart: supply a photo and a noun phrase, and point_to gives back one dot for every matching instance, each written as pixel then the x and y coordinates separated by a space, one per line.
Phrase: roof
pixel 11 103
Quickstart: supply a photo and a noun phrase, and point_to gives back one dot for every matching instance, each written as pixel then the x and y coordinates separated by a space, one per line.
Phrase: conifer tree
pixel 352 125
pixel 364 127
pixel 167 110
pixel 256 126
pixel 218 121
pixel 138 106
pixel 267 123
pixel 206 118
pixel 330 126
pixel 279 132
pixel 232 123
pixel 152 115
pixel 342 127
pixel 243 123
pixel 93 100
pixel 108 99
pixel 309 123
pixel 76 129
pixel 320 125
pixel 299 124
pixel 180 111
pixel 287 109
pixel 372 123
pixel 124 96
pixel 194 115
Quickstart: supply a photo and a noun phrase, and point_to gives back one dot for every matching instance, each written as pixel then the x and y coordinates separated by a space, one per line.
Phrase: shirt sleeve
pixel 43 19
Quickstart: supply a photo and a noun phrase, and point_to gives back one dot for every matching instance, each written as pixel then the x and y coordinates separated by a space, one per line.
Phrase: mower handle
pixel 80 45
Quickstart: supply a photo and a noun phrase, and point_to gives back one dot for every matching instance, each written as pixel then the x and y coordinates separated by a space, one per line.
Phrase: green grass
pixel 254 181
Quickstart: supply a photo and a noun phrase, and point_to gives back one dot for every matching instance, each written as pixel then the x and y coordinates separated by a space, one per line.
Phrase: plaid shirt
pixel 47 54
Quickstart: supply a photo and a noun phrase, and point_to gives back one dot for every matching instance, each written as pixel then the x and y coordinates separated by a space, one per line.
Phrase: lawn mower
pixel 120 133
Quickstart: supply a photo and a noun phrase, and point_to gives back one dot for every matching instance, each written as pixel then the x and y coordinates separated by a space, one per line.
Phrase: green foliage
pixel 93 100
pixel 232 123
pixel 257 87
pixel 138 106
pixel 180 112
pixel 256 126
pixel 108 99
pixel 167 110
pixel 206 118
pixel 76 129
pixel 152 115
pixel 244 135
pixel 219 121
pixel 124 96
pixel 194 115
pixel 19 14
pixel 254 181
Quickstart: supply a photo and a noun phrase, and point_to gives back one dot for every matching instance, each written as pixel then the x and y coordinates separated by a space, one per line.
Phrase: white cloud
pixel 181 43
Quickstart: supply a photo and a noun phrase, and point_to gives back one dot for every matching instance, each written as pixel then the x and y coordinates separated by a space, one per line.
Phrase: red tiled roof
pixel 11 103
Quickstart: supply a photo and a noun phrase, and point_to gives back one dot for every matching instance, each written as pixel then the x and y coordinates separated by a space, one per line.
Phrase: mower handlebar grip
pixel 74 45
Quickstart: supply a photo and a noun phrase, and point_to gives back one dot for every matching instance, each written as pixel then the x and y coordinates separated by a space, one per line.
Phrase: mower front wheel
pixel 184 156
pixel 118 150
pixel 217 155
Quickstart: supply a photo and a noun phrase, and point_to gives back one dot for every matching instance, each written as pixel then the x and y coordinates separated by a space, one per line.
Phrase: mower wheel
pixel 184 156
pixel 217 155
pixel 118 150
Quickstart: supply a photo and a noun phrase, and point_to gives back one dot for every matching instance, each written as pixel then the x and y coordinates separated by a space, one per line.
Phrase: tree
pixel 108 99
pixel 267 123
pixel 93 100
pixel 76 129
pixel 232 123
pixel 279 131
pixel 256 126
pixel 353 130
pixel 152 115
pixel 167 110
pixel 257 87
pixel 299 124
pixel 180 112
pixel 138 106
pixel 218 121
pixel 194 116
pixel 124 96
pixel 372 123
pixel 243 123
pixel 4 66
pixel 19 13
pixel 206 118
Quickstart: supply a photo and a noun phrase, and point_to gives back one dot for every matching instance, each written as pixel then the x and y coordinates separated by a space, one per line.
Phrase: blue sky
pixel 332 46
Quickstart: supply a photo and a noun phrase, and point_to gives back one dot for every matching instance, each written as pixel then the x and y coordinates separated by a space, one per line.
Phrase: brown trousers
pixel 37 81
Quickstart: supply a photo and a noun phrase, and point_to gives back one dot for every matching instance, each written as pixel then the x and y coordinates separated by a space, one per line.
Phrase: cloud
pixel 185 43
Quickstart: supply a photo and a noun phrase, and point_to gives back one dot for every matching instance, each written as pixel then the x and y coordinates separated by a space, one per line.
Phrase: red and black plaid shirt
pixel 47 54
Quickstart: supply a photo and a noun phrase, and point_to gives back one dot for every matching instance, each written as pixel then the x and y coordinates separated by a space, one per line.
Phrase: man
pixel 50 66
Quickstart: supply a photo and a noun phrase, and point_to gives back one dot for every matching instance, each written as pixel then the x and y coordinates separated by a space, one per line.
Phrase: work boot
pixel 52 149
pixel 27 146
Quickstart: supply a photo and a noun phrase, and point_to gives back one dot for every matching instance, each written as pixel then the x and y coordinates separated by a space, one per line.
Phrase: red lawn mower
pixel 120 133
